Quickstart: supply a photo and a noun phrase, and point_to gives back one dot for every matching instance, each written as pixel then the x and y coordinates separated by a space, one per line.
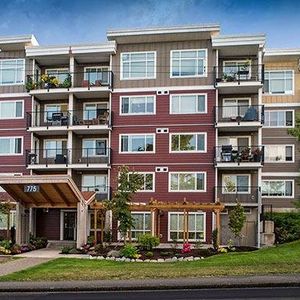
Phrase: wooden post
pixel 95 225
pixel 8 225
pixel 184 226
pixel 218 224
pixel 158 223
pixel 153 222
pixel 102 226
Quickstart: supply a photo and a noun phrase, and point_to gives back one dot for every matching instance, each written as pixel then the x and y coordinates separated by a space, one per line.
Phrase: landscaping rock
pixel 174 258
pixel 113 253
pixel 132 260
pixel 100 257
pixel 202 257
pixel 197 258
pixel 180 259
pixel 160 260
pixel 139 260
pixel 153 260
pixel 169 260
pixel 127 259
pixel 147 260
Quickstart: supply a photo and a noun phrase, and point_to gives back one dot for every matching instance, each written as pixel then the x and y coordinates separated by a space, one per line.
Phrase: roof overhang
pixel 282 54
pixel 159 34
pixel 232 45
pixel 17 42
pixel 48 191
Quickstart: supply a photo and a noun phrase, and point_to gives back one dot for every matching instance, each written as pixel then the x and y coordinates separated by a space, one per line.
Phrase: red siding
pixel 48 223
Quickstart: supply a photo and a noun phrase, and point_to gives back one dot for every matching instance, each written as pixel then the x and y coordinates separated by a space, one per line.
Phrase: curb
pixel 154 284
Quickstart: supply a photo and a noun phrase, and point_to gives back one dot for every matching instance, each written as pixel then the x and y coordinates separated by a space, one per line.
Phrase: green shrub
pixel 15 249
pixel 148 241
pixel 149 254
pixel 38 242
pixel 287 226
pixel 6 244
pixel 99 248
pixel 129 251
pixel 66 250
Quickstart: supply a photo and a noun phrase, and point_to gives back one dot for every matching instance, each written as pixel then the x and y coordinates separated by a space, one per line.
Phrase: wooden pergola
pixel 155 206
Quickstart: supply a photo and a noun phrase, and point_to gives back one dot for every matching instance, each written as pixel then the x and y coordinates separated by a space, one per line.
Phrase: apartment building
pixel 187 108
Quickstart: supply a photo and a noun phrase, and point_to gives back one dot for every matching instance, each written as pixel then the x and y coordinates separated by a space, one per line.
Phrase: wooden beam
pixel 14 195
pixel 45 195
pixel 61 194
pixel 30 199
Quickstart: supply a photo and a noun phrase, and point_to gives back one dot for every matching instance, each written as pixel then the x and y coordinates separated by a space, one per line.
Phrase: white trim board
pixel 170 88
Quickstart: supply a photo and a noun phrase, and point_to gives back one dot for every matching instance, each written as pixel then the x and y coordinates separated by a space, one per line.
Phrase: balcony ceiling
pixel 236 51
pixel 53 191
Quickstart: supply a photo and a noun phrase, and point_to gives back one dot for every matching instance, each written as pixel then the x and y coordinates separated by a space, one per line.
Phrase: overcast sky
pixel 72 21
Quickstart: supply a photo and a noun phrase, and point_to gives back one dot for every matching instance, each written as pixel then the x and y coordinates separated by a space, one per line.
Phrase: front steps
pixel 57 245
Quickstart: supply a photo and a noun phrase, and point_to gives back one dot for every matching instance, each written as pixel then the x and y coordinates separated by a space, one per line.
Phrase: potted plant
pixel 245 154
pixel 256 154
pixel 67 82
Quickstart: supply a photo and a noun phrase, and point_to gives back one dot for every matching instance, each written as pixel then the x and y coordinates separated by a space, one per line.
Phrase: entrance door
pixel 69 226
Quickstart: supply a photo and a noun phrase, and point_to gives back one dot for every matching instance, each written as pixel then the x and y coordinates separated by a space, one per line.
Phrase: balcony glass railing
pixel 102 191
pixel 231 193
pixel 68 80
pixel 239 154
pixel 239 113
pixel 69 118
pixel 83 156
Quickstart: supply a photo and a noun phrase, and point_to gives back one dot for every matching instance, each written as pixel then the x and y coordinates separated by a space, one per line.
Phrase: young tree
pixel 296 133
pixel 128 183
pixel 237 220
pixel 5 210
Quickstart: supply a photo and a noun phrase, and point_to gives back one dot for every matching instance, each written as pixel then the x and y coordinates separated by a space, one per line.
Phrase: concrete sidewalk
pixel 150 284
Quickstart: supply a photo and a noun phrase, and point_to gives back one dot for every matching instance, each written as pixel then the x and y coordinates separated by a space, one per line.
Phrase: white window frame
pixel 238 61
pixel 190 213
pixel 187 113
pixel 91 103
pixel 237 192
pixel 95 175
pixel 12 219
pixel 189 76
pixel 56 104
pixel 136 78
pixel 280 197
pixel 13 137
pixel 232 106
pixel 136 152
pixel 153 184
pixel 290 93
pixel 94 140
pixel 188 191
pixel 13 101
pixel 96 67
pixel 56 140
pixel 188 133
pixel 279 161
pixel 277 111
pixel 137 114
pixel 15 63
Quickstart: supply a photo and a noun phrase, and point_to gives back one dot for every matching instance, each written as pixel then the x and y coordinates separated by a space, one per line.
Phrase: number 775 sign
pixel 31 188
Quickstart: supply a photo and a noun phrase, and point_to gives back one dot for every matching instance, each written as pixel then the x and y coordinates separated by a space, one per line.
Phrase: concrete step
pixel 59 244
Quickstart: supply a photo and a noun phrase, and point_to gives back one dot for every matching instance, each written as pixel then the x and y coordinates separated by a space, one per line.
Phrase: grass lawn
pixel 275 260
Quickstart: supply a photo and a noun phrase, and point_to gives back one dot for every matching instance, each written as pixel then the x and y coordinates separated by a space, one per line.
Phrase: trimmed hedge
pixel 287 226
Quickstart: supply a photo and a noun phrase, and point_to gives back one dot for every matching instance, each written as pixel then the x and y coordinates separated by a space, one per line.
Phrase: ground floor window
pixel 4 221
pixel 196 226
pixel 141 224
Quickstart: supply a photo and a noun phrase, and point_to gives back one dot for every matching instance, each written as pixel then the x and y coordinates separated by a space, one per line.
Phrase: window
pixel 11 145
pixel 187 181
pixel 12 71
pixel 60 74
pixel 11 109
pixel 239 69
pixel 138 105
pixel 188 142
pixel 51 109
pixel 188 63
pixel 141 224
pixel 54 147
pixel 277 188
pixel 196 226
pixel 279 118
pixel 188 104
pixel 236 184
pixel 94 183
pixel 148 179
pixel 94 110
pixel 279 153
pixel 137 143
pixel 94 74
pixel 3 220
pixel 138 65
pixel 94 147
pixel 279 82
pixel 233 108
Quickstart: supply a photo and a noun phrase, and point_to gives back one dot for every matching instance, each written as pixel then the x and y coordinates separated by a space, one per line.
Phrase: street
pixel 229 293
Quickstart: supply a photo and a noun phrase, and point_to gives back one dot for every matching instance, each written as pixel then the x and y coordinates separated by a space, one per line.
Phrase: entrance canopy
pixel 45 191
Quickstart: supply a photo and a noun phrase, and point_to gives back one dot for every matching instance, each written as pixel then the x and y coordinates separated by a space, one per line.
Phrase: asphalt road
pixel 229 293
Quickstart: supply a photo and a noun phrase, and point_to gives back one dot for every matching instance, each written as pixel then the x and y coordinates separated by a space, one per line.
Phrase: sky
pixel 69 22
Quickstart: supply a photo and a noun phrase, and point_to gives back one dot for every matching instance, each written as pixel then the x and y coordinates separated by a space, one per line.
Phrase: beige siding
pixel 163 64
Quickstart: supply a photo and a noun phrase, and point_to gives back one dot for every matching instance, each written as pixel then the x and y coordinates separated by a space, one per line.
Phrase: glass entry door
pixel 69 225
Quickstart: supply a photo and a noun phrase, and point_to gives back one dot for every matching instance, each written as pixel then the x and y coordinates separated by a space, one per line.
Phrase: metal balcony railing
pixel 239 154
pixel 56 156
pixel 231 193
pixel 68 80
pixel 239 73
pixel 71 117
pixel 102 191
pixel 239 113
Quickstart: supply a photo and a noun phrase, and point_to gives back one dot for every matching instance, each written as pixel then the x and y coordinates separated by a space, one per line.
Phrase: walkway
pixel 50 253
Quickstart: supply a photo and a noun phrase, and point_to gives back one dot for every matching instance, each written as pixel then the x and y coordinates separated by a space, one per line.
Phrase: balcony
pixel 241 117
pixel 103 192
pixel 238 79
pixel 68 158
pixel 241 157
pixel 233 194
pixel 78 120
pixel 44 86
